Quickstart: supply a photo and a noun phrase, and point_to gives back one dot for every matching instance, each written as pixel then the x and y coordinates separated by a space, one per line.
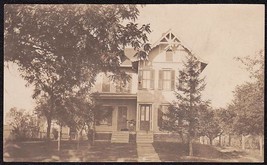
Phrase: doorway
pixel 122 118
pixel 145 113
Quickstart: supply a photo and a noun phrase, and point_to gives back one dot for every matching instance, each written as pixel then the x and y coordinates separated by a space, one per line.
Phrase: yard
pixel 43 152
pixel 105 151
pixel 177 152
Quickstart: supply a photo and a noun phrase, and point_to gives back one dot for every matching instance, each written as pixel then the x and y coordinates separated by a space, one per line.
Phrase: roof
pixel 170 37
pixel 129 53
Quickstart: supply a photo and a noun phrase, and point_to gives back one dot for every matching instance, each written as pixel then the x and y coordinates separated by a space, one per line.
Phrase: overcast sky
pixel 216 33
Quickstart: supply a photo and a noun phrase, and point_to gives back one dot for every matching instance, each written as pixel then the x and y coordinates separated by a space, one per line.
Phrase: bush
pixel 55 133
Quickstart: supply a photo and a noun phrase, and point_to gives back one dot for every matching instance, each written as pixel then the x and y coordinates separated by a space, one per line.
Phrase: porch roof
pixel 116 96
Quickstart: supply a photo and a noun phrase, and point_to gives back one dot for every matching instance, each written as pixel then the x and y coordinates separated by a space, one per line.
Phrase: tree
pixel 184 113
pixel 210 124
pixel 59 49
pixel 227 118
pixel 23 124
pixel 248 102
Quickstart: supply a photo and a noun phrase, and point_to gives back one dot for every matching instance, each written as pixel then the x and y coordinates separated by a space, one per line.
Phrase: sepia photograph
pixel 133 83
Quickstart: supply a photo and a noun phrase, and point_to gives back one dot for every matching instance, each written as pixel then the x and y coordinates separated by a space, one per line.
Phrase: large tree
pixel 248 102
pixel 184 115
pixel 60 48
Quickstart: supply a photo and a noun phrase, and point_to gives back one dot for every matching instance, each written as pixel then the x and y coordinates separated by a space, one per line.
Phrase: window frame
pixel 149 81
pixel 169 55
pixel 162 80
pixel 108 119
pixel 105 81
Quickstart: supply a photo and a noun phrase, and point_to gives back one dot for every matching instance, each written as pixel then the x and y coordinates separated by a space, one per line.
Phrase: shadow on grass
pixel 47 152
pixel 171 151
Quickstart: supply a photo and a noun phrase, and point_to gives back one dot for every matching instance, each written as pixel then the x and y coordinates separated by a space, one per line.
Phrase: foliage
pixel 227 118
pixel 184 114
pixel 55 133
pixel 23 124
pixel 60 48
pixel 210 124
pixel 248 101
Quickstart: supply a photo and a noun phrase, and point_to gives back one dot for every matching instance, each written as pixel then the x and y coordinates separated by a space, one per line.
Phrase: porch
pixel 125 121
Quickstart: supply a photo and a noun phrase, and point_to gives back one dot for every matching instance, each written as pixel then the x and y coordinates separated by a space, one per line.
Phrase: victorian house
pixel 134 110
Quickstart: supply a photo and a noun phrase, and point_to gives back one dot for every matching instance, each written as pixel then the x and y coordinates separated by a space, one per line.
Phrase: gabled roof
pixel 129 57
pixel 171 39
pixel 167 38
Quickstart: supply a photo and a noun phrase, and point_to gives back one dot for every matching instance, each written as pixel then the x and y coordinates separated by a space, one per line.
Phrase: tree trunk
pixel 210 140
pixel 229 140
pixel 243 142
pixel 59 138
pixel 190 147
pixel 78 140
pixel 93 134
pixel 182 137
pixel 261 145
pixel 48 130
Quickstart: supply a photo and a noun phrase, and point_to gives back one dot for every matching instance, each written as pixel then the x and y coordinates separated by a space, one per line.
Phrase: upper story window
pixel 166 79
pixel 146 79
pixel 106 84
pixel 169 55
pixel 144 63
pixel 123 87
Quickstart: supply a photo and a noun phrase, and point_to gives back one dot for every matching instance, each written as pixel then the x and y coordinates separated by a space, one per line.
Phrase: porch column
pixel 137 119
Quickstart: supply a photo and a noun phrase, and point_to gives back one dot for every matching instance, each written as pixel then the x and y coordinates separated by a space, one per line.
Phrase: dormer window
pixel 169 55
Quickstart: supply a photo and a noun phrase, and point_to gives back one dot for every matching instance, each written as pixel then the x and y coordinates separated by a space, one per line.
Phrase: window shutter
pixel 160 78
pixel 160 114
pixel 140 76
pixel 129 85
pixel 172 79
pixel 109 117
pixel 152 73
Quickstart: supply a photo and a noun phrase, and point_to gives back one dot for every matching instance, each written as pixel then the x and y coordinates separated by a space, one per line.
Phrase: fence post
pixel 261 145
pixel 243 142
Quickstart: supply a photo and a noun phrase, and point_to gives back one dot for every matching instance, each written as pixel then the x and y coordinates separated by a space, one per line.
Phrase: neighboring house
pixel 133 111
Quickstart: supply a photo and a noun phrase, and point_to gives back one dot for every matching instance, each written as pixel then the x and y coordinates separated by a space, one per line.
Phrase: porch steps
pixel 144 137
pixel 120 137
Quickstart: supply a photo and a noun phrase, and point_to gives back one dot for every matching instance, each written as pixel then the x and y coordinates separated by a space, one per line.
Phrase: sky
pixel 215 33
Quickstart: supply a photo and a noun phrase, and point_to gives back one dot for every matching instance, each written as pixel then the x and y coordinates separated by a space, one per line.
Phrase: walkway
pixel 147 153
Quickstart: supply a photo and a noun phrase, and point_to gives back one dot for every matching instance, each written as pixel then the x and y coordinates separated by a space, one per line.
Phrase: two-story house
pixel 134 110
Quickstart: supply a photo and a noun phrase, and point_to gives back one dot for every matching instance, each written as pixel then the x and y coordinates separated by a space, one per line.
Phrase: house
pixel 133 110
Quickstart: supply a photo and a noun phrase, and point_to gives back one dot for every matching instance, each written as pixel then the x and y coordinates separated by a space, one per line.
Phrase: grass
pixel 104 151
pixel 177 152
pixel 47 152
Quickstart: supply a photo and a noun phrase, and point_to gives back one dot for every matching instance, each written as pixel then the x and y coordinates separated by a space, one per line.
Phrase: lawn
pixel 46 152
pixel 177 152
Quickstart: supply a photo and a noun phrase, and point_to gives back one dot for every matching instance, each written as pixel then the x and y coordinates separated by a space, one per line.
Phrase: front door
pixel 145 111
pixel 122 118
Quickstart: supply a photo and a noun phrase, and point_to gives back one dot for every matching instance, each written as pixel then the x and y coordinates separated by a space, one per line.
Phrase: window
pixel 163 109
pixel 145 112
pixel 169 55
pixel 166 79
pixel 144 63
pixel 123 87
pixel 104 116
pixel 146 79
pixel 105 84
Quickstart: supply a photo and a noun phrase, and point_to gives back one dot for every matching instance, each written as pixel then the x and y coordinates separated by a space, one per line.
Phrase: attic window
pixel 169 55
